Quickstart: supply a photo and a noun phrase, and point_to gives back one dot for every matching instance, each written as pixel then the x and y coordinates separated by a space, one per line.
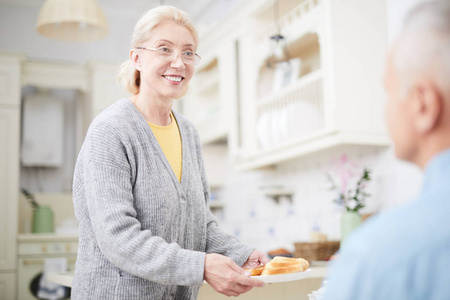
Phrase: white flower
pixel 351 204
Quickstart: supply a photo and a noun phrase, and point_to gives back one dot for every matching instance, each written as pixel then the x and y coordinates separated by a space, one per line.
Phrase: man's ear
pixel 427 105
pixel 136 59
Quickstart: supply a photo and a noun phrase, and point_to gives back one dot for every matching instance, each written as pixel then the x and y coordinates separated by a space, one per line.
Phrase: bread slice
pixel 282 270
pixel 256 271
pixel 284 265
pixel 280 261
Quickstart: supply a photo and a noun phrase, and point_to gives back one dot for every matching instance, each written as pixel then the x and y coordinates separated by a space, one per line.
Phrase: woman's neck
pixel 154 110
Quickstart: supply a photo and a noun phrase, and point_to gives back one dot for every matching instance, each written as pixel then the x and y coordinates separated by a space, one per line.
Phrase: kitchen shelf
pixel 276 192
pixel 216 204
pixel 287 92
pixel 304 146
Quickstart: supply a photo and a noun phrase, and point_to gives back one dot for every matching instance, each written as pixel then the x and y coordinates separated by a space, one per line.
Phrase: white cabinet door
pixel 9 161
pixel 10 80
pixel 7 286
pixel 9 185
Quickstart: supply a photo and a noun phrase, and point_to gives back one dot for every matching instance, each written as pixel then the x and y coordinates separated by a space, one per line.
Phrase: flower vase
pixel 350 220
pixel 43 220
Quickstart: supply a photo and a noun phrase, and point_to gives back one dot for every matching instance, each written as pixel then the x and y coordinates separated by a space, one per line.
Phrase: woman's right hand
pixel 226 277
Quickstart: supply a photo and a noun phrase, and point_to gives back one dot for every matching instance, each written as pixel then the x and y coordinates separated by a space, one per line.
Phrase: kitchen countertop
pixel 45 237
pixel 64 279
pixel 319 270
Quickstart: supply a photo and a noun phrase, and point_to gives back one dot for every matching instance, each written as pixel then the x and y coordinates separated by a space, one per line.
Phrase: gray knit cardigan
pixel 143 234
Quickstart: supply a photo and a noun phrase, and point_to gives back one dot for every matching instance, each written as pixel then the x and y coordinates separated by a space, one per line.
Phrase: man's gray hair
pixel 423 47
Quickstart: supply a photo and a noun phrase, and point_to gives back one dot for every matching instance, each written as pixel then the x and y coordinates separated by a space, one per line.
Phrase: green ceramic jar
pixel 43 220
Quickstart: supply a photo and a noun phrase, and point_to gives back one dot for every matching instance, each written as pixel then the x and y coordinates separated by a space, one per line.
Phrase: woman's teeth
pixel 174 78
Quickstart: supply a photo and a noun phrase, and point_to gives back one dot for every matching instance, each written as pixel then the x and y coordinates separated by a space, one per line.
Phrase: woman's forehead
pixel 172 33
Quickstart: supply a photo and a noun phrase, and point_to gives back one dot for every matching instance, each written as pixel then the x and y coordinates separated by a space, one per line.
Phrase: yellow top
pixel 169 140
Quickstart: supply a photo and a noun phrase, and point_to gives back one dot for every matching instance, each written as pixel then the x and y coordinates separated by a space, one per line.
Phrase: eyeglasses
pixel 169 54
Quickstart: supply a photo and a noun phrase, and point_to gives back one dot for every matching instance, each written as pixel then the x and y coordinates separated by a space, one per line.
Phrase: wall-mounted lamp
pixel 72 20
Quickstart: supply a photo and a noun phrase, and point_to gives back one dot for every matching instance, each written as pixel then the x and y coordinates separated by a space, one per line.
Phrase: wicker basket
pixel 316 251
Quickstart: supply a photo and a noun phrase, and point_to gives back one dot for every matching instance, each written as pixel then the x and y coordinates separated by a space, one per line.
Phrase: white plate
pixel 283 277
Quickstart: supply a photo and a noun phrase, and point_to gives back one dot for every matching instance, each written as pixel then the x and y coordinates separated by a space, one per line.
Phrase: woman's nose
pixel 177 62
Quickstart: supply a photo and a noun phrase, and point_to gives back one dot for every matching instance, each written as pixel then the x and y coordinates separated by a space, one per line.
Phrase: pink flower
pixel 345 170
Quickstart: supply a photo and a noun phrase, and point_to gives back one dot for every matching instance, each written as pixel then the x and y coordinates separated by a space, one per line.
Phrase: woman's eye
pixel 189 53
pixel 165 49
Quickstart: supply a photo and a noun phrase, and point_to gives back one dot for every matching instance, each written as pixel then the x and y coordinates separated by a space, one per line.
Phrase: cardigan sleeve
pixel 216 240
pixel 225 244
pixel 104 168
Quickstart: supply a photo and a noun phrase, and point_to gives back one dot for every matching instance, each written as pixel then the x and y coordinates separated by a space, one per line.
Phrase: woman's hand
pixel 226 277
pixel 255 259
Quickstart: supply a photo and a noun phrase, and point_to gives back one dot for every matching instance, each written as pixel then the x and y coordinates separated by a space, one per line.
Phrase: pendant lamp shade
pixel 72 20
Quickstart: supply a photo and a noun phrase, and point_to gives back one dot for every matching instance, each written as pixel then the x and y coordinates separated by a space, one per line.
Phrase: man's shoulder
pixel 407 229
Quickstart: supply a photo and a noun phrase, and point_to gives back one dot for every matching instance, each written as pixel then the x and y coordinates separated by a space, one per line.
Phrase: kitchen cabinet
pixel 290 290
pixel 337 98
pixel 7 286
pixel 212 89
pixel 297 290
pixel 98 88
pixel 32 252
pixel 9 177
pixel 9 169
pixel 215 157
pixel 332 96
pixel 209 103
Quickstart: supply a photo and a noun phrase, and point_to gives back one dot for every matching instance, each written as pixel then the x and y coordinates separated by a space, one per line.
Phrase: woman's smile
pixel 173 78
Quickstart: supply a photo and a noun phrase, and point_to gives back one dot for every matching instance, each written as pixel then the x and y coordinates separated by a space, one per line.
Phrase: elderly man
pixel 405 253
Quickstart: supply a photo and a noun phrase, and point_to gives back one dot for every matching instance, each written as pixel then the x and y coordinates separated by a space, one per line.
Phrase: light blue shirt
pixel 402 254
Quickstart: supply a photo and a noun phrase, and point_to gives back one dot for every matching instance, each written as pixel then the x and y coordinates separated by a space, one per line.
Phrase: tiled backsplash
pixel 259 221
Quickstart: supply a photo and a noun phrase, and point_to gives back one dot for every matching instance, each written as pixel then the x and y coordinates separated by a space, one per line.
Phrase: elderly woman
pixel 140 189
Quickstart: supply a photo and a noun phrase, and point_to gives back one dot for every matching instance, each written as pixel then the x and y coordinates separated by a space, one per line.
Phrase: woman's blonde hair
pixel 129 76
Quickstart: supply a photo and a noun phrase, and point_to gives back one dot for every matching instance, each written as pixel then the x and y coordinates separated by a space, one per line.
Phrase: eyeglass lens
pixel 170 54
